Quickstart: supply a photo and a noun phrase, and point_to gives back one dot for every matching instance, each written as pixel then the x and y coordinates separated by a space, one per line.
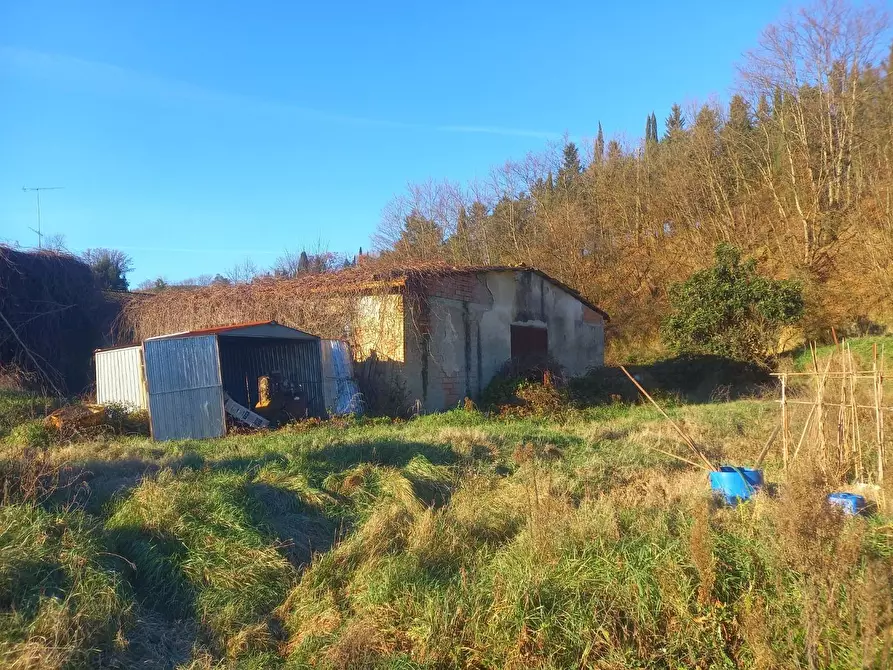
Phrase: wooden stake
pixel 766 447
pixel 803 433
pixel 857 436
pixel 841 415
pixel 880 401
pixel 878 417
pixel 784 422
pixel 685 438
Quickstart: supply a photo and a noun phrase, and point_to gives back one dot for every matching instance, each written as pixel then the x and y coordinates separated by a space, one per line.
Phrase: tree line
pixel 796 170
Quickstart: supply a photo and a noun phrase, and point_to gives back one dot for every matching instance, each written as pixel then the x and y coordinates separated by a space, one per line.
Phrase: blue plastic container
pixel 851 503
pixel 736 484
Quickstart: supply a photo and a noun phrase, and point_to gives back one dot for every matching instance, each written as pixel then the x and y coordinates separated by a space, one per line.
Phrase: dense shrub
pixel 521 387
pixel 729 310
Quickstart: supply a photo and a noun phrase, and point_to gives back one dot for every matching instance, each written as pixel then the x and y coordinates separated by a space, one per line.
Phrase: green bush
pixel 32 434
pixel 729 310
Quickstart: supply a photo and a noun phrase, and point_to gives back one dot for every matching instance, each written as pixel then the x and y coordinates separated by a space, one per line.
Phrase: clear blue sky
pixel 194 134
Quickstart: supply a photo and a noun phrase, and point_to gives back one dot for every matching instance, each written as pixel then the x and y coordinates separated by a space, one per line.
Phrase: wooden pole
pixel 803 433
pixel 841 414
pixel 784 422
pixel 878 417
pixel 880 383
pixel 685 438
pixel 766 447
pixel 857 437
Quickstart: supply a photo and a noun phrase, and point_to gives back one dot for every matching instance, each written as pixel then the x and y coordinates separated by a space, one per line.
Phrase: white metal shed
pixel 120 378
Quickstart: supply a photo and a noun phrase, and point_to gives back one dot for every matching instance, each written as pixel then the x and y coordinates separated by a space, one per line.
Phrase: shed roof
pixel 373 277
pixel 260 329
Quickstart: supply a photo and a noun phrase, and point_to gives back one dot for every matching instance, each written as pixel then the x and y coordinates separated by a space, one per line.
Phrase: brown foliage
pixel 797 172
pixel 52 317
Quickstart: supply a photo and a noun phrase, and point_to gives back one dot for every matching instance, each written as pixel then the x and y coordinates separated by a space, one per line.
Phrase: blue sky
pixel 195 134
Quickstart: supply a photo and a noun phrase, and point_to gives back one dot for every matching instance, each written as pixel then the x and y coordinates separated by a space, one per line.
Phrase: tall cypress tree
pixel 599 153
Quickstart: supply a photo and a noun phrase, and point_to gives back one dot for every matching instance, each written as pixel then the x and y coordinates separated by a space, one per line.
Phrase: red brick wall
pixel 591 316
pixel 470 288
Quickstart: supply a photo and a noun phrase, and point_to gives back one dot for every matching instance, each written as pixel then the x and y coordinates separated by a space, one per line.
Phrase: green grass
pixel 862 349
pixel 17 408
pixel 452 540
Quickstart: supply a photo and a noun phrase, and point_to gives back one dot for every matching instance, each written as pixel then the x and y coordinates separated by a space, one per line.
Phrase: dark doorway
pixel 529 342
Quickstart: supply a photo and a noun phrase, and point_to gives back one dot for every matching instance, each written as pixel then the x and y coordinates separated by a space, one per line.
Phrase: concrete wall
pixel 460 336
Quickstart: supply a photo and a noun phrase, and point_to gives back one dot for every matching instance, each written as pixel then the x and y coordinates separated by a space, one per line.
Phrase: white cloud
pixel 116 80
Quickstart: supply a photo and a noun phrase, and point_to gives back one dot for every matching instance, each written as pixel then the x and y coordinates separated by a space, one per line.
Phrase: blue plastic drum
pixel 735 484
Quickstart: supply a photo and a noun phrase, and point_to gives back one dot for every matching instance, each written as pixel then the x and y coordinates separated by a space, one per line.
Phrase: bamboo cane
pixel 878 417
pixel 688 441
pixel 784 423
pixel 766 446
pixel 857 436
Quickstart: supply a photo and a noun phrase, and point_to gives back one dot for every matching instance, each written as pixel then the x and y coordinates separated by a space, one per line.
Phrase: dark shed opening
pixel 244 359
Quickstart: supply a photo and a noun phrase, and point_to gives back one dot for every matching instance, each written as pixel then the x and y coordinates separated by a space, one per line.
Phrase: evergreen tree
pixel 707 121
pixel 571 167
pixel 675 123
pixel 763 112
pixel 739 115
pixel 421 236
pixel 599 153
pixel 730 310
pixel 303 262
pixel 462 222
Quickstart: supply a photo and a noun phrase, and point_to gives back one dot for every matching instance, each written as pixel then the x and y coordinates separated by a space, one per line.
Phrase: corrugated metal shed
pixel 185 388
pixel 189 374
pixel 342 395
pixel 119 377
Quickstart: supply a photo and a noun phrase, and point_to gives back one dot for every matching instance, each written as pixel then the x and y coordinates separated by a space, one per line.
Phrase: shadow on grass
pixel 296 529
pixel 692 379
pixel 92 484
pixel 394 453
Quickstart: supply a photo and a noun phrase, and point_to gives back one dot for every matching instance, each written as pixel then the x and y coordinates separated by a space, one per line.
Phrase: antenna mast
pixel 38 189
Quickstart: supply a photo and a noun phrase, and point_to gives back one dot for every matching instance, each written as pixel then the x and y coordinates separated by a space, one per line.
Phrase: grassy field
pixel 453 540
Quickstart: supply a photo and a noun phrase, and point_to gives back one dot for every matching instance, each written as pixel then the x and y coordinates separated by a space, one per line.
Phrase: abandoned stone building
pixel 423 338
pixel 443 335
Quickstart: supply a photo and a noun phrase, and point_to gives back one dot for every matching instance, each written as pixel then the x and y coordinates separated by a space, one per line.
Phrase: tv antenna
pixel 38 189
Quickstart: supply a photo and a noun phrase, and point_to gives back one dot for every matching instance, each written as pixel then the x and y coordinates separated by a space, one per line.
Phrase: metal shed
pixel 188 375
pixel 119 377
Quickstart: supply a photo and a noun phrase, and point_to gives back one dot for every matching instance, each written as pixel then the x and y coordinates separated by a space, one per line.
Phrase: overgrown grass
pixel 18 407
pixel 862 349
pixel 453 540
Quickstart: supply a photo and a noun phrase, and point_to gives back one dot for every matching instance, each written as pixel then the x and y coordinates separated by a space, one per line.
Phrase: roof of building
pixel 262 329
pixel 374 277
pixel 370 277
pixel 399 276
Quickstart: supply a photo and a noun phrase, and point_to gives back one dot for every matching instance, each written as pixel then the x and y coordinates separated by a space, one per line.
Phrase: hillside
pixel 452 540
